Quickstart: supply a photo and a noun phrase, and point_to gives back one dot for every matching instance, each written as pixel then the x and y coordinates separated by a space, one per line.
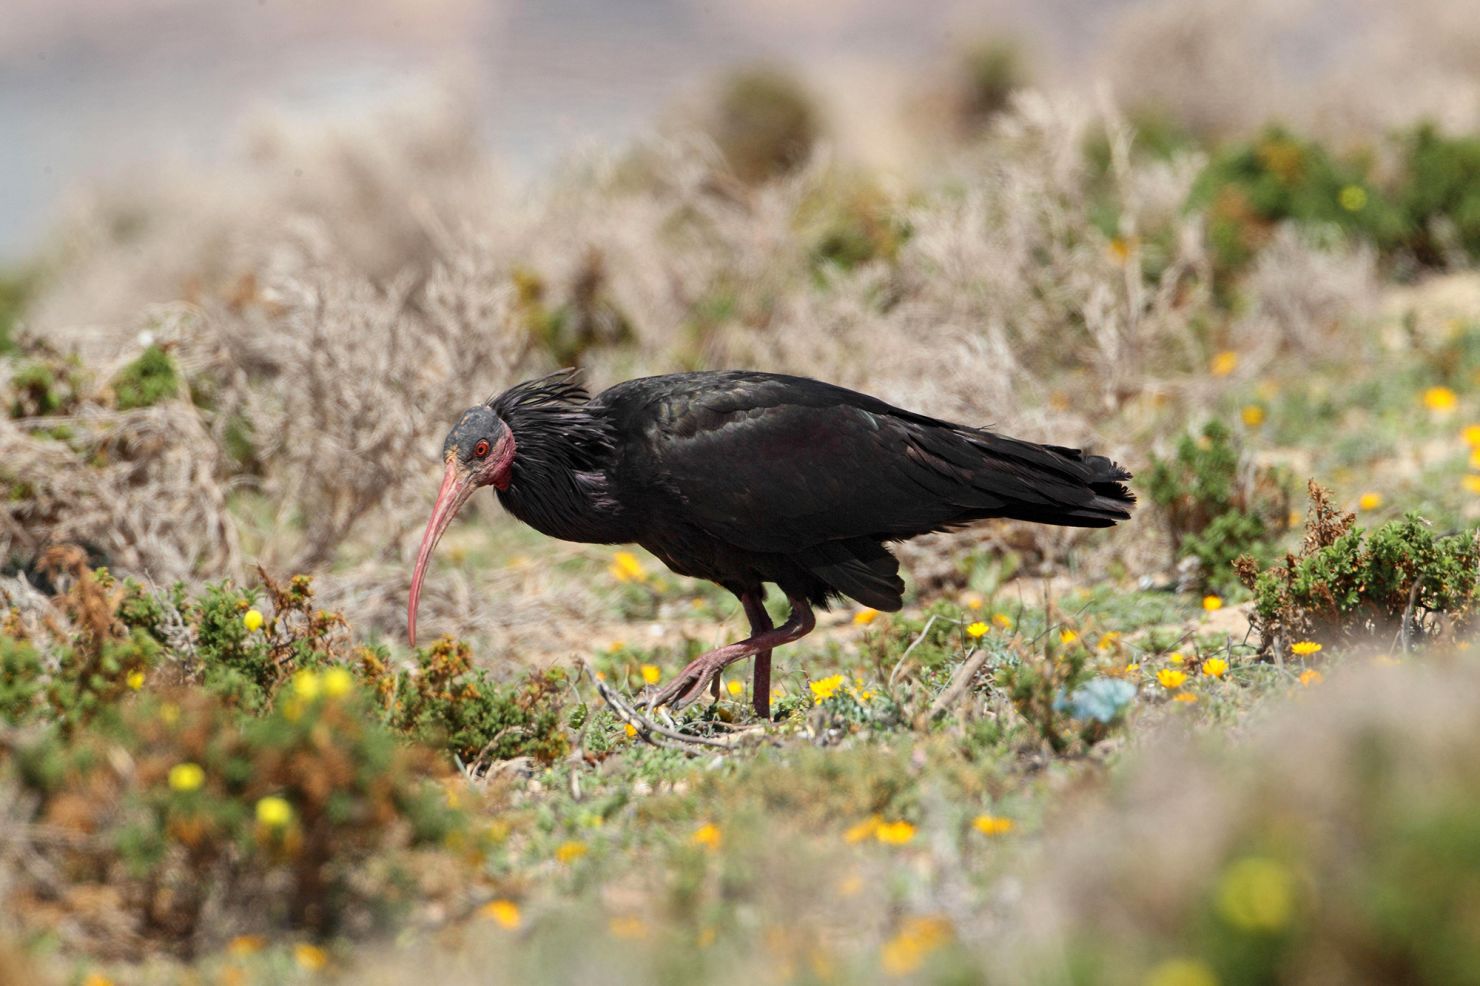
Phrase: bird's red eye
pixel 481 449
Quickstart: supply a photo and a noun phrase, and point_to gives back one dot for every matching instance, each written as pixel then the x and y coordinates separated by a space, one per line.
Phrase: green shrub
pixel 987 76
pixel 146 381
pixel 1399 579
pixel 1216 505
pixel 1440 187
pixel 764 124
pixel 46 385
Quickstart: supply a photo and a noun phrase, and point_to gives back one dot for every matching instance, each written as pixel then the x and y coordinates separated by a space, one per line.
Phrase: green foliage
pixel 988 75
pixel 448 703
pixel 852 225
pixel 1248 187
pixel 1346 582
pixel 1216 505
pixel 764 124
pixel 1440 187
pixel 1049 690
pixel 146 381
pixel 16 289
pixel 46 385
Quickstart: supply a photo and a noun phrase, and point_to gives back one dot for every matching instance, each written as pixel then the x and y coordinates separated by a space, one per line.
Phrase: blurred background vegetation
pixel 257 259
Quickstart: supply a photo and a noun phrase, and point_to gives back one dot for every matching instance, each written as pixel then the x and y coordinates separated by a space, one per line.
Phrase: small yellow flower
pixel 863 830
pixel 1186 697
pixel 274 812
pixel 1002 620
pixel 1175 657
pixel 1440 400
pixel 338 682
pixel 707 835
pixel 626 567
pixel 169 713
pixel 977 629
pixel 1171 678
pixel 1310 676
pixel 244 945
pixel 1370 500
pixel 186 777
pixel 1353 198
pixel 827 687
pixel 1305 648
pixel 1067 637
pixel 252 620
pixel 1257 894
pixel 992 824
pixel 628 927
pixel 894 833
pixel 569 852
pixel 630 730
pixel 1471 483
pixel 96 979
pixel 135 680
pixel 651 674
pixel 735 688
pixel 1108 640
pixel 865 616
pixel 310 957
pixel 1132 668
pixel 1212 603
pixel 1224 363
pixel 307 685
pixel 504 913
pixel 1471 435
pixel 973 600
pixel 1215 667
pixel 1252 415
pixel 1182 972
pixel 916 939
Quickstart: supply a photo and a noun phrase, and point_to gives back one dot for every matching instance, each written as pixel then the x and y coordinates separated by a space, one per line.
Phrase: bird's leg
pixel 760 622
pixel 690 682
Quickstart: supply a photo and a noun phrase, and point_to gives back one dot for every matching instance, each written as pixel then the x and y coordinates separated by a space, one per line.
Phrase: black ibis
pixel 748 478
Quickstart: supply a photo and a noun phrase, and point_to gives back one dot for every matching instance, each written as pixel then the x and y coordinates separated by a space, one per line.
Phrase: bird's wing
pixel 779 464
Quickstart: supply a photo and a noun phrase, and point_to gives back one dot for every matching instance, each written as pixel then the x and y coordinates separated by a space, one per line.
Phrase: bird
pixel 748 479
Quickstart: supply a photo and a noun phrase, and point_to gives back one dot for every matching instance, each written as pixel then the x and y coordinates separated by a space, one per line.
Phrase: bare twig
pixel 652 732
pixel 958 683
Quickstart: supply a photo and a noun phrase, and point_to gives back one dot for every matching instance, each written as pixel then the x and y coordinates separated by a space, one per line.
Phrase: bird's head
pixel 479 451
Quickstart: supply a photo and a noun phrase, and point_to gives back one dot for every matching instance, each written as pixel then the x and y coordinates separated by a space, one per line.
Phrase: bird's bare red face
pixel 479 451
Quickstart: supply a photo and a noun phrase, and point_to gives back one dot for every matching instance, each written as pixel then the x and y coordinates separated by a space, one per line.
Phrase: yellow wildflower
pixel 977 629
pixel 1002 620
pixel 504 913
pixel 1305 648
pixel 1132 668
pixel 1353 198
pixel 1215 667
pixel 627 926
pixel 338 682
pixel 973 600
pixel 1252 415
pixel 96 979
pixel 1440 400
pixel 626 567
pixel 1186 697
pixel 735 688
pixel 863 829
pixel 1175 657
pixel 827 687
pixel 1224 363
pixel 706 835
pixel 1182 972
pixel 307 685
pixel 274 812
pixel 651 674
pixel 1067 637
pixel 252 620
pixel 569 852
pixel 186 777
pixel 1370 500
pixel 310 957
pixel 1108 640
pixel 1310 676
pixel 992 824
pixel 894 833
pixel 916 939
pixel 865 616
pixel 169 713
pixel 1257 894
pixel 1171 678
pixel 244 945
pixel 1471 483
pixel 1471 435
pixel 135 680
pixel 1212 603
pixel 630 730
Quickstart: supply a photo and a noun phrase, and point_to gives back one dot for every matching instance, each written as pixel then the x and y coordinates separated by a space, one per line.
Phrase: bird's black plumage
pixel 746 478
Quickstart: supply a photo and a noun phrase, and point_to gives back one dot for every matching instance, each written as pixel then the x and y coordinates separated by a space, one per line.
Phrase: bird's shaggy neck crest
pixel 559 484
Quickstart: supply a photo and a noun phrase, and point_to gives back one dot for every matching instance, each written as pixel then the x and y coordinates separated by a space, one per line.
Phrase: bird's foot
pixel 690 683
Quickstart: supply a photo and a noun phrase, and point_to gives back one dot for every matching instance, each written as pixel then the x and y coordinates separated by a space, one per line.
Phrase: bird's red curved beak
pixel 457 486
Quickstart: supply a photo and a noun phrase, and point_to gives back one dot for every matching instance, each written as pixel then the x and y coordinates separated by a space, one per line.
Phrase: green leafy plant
pixel 146 381
pixel 1216 505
